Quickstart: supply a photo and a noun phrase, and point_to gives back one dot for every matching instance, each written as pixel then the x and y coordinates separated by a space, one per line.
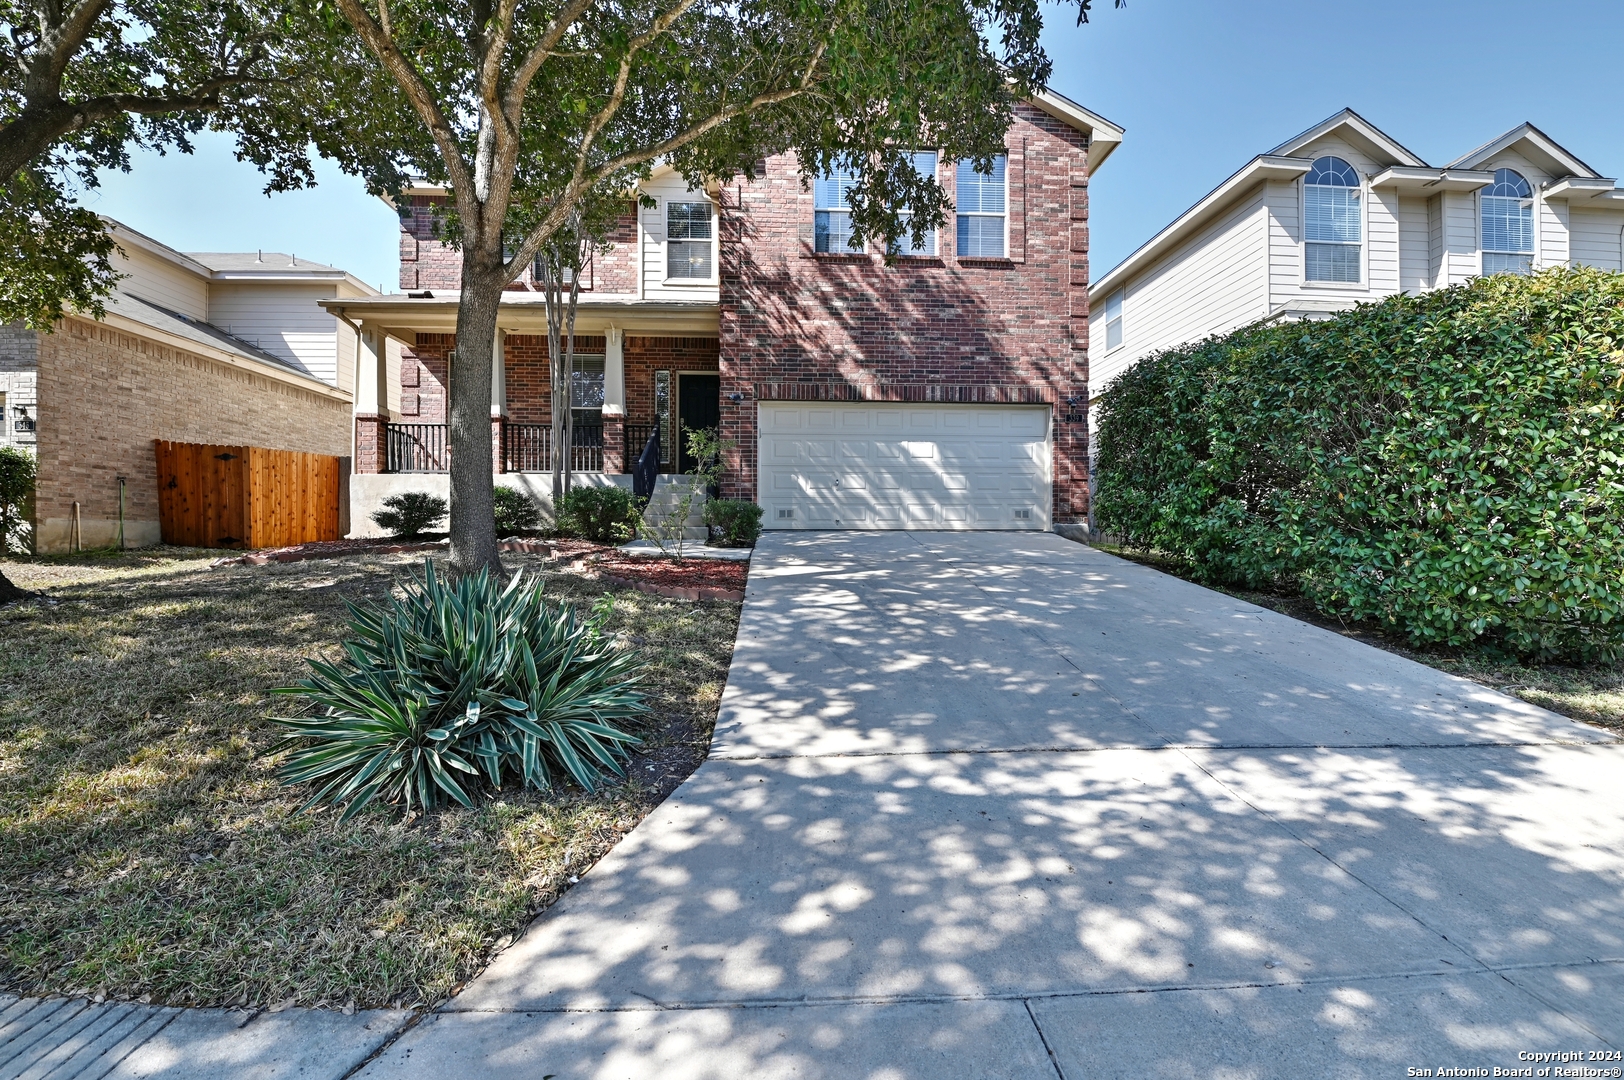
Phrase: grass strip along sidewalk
pixel 148 852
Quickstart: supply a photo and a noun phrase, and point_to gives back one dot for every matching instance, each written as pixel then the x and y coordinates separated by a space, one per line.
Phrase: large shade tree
pixel 82 81
pixel 522 109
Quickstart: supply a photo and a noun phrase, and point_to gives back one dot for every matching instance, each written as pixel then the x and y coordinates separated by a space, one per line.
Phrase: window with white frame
pixel 586 388
pixel 690 241
pixel 981 205
pixel 1332 225
pixel 1508 224
pixel 1113 320
pixel 924 163
pixel 831 211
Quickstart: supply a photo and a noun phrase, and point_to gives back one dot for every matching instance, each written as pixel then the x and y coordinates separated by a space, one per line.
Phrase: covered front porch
pixel 644 371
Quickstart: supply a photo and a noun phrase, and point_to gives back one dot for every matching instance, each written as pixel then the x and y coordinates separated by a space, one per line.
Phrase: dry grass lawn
pixel 147 851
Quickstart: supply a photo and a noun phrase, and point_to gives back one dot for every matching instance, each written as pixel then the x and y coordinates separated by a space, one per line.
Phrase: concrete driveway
pixel 1000 805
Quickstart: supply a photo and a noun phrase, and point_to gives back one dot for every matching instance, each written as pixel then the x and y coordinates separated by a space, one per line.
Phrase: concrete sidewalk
pixel 75 1039
pixel 987 805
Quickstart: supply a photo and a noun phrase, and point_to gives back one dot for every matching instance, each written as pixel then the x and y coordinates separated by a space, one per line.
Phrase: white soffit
pixel 1103 136
pixel 1405 180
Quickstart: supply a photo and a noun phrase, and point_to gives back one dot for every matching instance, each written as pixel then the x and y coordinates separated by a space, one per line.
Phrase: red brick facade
pixel 796 325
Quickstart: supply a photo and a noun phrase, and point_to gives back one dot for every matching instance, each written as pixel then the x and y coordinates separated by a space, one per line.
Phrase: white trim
pixel 715 242
pixel 1361 128
pixel 1008 214
pixel 1103 136
pixel 1535 138
pixel 1363 243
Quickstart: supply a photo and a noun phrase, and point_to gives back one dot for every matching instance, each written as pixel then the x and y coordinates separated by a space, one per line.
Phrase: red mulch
pixel 657 570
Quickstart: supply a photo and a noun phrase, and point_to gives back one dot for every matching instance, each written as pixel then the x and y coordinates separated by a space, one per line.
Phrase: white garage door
pixel 885 466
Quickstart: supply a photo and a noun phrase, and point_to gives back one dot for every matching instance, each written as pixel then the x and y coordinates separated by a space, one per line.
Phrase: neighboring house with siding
pixel 1343 213
pixel 201 347
pixel 943 391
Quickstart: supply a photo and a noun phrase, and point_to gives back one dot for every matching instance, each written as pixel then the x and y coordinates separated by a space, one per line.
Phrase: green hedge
pixel 1445 464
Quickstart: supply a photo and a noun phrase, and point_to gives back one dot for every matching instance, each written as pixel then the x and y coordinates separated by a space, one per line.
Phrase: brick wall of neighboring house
pixel 19 356
pixel 427 263
pixel 106 394
pixel 799 325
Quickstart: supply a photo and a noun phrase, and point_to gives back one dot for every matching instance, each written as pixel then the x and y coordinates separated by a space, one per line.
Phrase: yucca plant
pixel 457 685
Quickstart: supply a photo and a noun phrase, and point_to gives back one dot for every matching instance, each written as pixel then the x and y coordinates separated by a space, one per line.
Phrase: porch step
pixel 669 492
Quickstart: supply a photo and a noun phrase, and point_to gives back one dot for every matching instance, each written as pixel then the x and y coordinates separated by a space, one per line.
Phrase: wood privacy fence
pixel 246 496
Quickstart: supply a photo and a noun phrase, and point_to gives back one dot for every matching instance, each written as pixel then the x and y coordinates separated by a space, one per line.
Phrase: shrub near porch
pixel 1446 465
pixel 147 849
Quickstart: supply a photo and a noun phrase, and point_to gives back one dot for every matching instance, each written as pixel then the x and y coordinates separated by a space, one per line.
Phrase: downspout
pixel 355 378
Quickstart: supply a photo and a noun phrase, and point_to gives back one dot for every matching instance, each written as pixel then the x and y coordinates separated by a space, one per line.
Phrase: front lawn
pixel 147 852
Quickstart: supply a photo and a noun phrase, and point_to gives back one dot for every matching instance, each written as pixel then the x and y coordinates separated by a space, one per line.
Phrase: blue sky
pixel 1201 86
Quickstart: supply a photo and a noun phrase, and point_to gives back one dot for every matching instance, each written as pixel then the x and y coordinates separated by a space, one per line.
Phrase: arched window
pixel 1508 224
pixel 1331 221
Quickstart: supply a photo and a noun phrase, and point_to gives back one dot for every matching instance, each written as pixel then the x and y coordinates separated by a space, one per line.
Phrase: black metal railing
pixel 636 438
pixel 417 448
pixel 646 472
pixel 529 448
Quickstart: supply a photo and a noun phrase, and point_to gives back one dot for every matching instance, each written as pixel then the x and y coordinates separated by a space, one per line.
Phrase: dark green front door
pixel 699 406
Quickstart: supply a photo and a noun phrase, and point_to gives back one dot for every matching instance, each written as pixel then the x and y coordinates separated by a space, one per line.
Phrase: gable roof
pixel 1103 136
pixel 1532 142
pixel 1356 129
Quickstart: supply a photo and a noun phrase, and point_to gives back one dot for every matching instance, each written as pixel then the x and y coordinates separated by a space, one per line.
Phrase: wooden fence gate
pixel 246 496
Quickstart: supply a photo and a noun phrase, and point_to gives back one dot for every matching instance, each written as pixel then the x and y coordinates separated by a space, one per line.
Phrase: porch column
pixel 499 403
pixel 614 400
pixel 371 399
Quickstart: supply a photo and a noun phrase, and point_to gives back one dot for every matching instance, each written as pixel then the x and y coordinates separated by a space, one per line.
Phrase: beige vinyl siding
pixel 1597 238
pixel 1437 272
pixel 1382 231
pixel 1550 232
pixel 282 319
pixel 1414 244
pixel 1461 260
pixel 669 188
pixel 1214 282
pixel 161 282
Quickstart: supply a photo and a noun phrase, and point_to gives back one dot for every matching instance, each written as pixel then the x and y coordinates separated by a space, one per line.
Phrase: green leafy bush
pixel 1446 464
pixel 457 686
pixel 17 472
pixel 606 515
pixel 411 513
pixel 738 521
pixel 515 512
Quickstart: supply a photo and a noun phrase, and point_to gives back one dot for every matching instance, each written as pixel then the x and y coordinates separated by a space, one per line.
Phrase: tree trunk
pixel 473 513
pixel 10 592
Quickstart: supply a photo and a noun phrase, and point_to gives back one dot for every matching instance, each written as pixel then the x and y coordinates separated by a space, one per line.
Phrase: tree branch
pixel 418 94
pixel 538 55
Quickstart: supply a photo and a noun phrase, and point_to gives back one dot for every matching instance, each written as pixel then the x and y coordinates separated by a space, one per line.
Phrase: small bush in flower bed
pixel 606 515
pixel 410 513
pixel 737 520
pixel 1449 465
pixel 515 513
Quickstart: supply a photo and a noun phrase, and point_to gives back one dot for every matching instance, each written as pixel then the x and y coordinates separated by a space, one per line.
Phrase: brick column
pixel 369 439
pixel 498 435
pixel 499 405
pixel 614 443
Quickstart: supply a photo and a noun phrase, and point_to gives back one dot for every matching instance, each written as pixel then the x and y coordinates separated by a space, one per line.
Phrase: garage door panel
pixel 904 466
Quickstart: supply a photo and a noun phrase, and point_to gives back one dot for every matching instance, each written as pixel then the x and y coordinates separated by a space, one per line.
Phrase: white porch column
pixel 499 376
pixel 614 372
pixel 372 372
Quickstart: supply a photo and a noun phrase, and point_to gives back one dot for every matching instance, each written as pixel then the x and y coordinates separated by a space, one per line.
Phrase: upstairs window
pixel 982 210
pixel 1508 224
pixel 924 164
pixel 1331 221
pixel 690 250
pixel 831 212
pixel 1113 320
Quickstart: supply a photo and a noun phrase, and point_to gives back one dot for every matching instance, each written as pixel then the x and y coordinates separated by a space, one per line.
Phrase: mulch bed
pixel 684 579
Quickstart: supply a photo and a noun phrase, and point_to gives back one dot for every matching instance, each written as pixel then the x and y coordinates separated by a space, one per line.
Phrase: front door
pixel 699 406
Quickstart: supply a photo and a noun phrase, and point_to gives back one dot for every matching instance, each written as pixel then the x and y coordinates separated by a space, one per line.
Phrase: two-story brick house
pixel 946 390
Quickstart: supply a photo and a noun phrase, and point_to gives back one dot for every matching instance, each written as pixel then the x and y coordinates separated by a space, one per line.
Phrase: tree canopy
pixel 83 81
